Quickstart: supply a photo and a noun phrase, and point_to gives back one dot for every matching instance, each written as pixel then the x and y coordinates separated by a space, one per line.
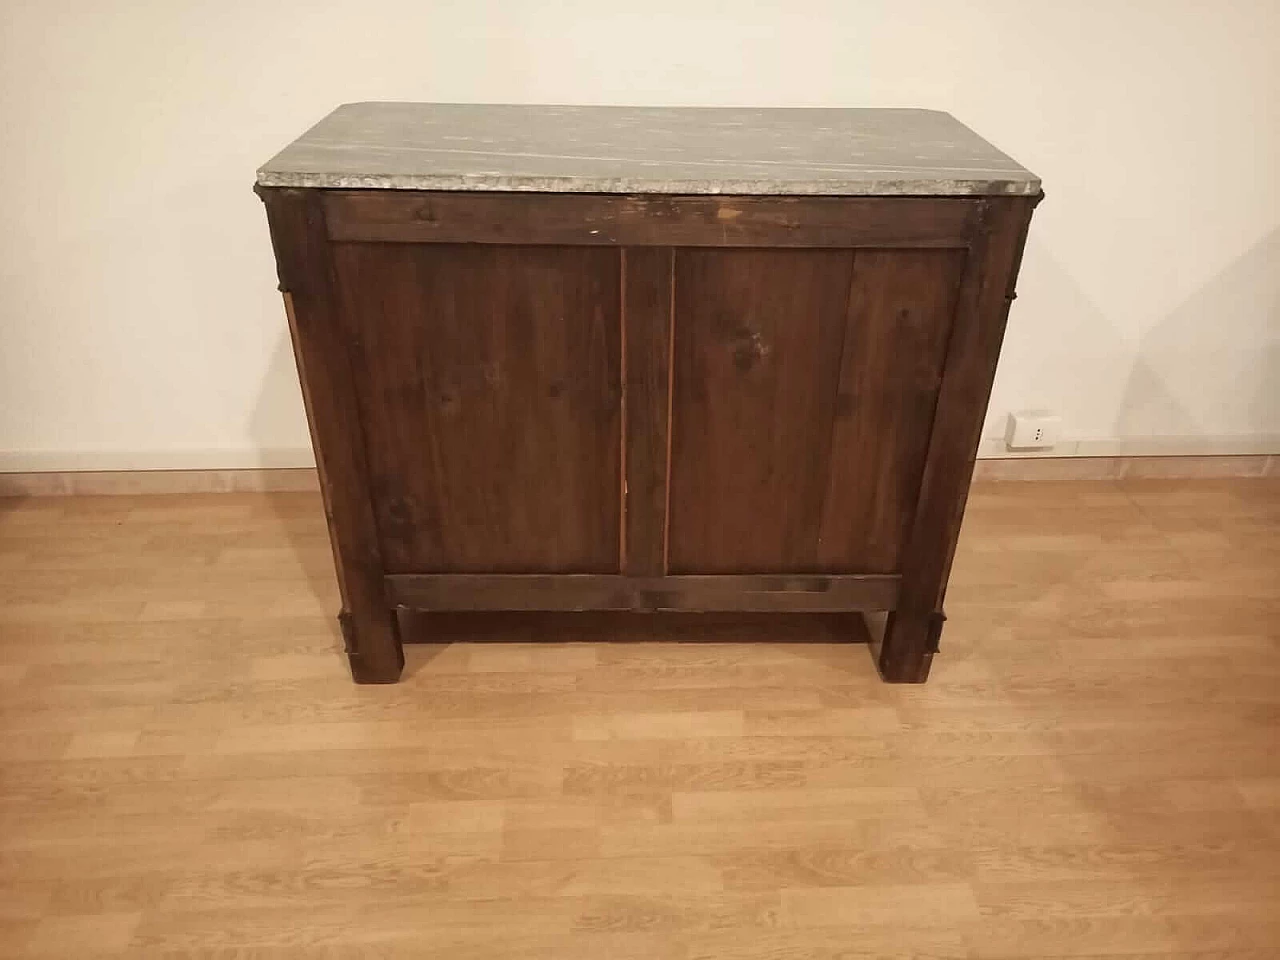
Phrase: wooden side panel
pixel 489 381
pixel 911 633
pixel 900 309
pixel 304 264
pixel 756 359
pixel 646 324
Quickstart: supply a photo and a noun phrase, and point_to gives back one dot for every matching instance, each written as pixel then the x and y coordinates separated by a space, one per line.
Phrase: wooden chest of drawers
pixel 645 359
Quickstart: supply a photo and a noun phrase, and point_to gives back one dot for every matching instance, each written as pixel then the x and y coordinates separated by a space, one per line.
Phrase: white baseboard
pixel 91 483
pixel 104 461
pixel 289 458
pixel 1249 445
pixel 304 479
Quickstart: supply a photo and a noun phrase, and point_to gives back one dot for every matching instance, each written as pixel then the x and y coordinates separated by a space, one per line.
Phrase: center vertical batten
pixel 646 320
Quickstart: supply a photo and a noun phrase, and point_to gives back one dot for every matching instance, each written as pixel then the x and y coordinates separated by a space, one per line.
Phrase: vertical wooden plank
pixel 756 360
pixel 901 305
pixel 305 269
pixel 646 313
pixel 911 633
pixel 489 385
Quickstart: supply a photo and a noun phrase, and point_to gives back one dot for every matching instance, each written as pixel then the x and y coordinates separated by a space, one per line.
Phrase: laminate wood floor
pixel 1093 771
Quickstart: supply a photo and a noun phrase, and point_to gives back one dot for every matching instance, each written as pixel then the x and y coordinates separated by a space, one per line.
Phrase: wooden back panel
pixel 489 386
pixel 801 375
pixel 756 358
pixel 701 403
pixel 805 383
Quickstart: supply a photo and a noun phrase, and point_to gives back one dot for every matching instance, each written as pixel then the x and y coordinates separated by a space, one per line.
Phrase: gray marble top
pixel 728 150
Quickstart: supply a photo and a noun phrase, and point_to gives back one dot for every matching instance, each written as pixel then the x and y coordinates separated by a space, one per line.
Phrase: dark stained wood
pixel 900 308
pixel 911 634
pixel 320 349
pixel 630 626
pixel 532 402
pixel 646 316
pixel 590 219
pixel 756 363
pixel 489 384
pixel 816 594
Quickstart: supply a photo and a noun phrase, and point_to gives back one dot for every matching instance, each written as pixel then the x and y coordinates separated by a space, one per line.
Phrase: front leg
pixel 372 644
pixel 906 649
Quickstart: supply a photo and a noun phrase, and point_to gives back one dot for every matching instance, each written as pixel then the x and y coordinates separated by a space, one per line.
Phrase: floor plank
pixel 1092 770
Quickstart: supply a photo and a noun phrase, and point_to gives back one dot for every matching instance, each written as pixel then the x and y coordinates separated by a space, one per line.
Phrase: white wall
pixel 139 324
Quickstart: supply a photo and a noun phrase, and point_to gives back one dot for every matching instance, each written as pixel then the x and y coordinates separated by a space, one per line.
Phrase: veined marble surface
pixel 667 150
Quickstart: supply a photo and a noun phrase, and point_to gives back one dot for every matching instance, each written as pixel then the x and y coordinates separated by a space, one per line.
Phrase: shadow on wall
pixel 277 419
pixel 1186 356
pixel 278 425
pixel 1058 337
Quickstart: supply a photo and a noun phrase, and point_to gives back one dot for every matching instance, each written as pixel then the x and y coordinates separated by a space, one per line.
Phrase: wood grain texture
pixel 305 269
pixel 646 312
pixel 753 592
pixel 986 292
pixel 805 390
pixel 1090 773
pixel 756 362
pixel 428 217
pixel 900 311
pixel 489 383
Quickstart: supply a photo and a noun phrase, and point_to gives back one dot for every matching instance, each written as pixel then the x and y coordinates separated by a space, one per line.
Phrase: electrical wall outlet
pixel 1032 430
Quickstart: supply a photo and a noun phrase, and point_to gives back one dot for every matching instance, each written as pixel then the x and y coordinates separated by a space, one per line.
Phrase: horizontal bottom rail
pixel 813 593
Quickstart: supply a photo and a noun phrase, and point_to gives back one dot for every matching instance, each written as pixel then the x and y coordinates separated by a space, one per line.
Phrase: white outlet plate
pixel 1032 430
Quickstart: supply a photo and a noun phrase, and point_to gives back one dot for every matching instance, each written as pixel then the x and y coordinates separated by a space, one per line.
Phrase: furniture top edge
pixel 809 151
pixel 285 185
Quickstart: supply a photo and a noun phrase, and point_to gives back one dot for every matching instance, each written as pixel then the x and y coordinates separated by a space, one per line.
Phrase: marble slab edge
pixel 931 187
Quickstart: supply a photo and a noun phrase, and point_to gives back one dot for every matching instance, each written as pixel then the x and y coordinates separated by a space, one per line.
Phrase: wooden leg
pixel 373 647
pixel 911 633
pixel 907 647
pixel 321 345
